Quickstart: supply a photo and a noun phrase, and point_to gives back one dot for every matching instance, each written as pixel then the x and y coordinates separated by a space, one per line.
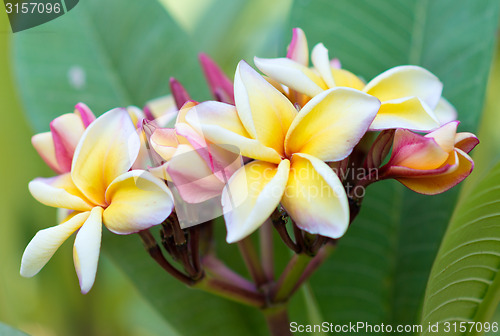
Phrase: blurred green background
pixel 50 303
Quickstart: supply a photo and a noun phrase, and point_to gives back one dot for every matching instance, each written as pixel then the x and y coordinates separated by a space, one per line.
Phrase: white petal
pixel 321 62
pixel 86 249
pixel 252 194
pixel 45 243
pixel 315 198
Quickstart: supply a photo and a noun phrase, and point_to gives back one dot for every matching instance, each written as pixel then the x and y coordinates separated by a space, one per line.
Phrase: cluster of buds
pixel 292 150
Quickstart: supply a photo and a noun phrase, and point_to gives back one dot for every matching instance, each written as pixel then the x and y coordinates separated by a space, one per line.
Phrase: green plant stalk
pixel 266 250
pixel 252 261
pixel 292 274
pixel 277 320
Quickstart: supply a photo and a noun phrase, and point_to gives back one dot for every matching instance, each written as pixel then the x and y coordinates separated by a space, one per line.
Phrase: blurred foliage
pixel 50 303
pixel 382 264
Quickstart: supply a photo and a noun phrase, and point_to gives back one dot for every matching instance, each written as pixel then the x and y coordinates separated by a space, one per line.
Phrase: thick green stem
pixel 290 276
pixel 252 261
pixel 266 250
pixel 277 320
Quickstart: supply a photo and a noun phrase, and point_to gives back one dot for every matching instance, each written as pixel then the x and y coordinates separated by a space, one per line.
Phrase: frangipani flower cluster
pixel 269 148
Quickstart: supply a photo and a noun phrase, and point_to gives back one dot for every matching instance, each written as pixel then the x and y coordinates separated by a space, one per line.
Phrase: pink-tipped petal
pixel 220 85
pixel 66 131
pixel 85 114
pixel 379 149
pixel 335 63
pixel 466 141
pixel 86 249
pixel 432 184
pixel 416 151
pixel 178 92
pixel 298 50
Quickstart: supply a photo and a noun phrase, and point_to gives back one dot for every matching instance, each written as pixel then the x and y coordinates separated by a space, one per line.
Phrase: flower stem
pixel 231 292
pixel 313 265
pixel 266 250
pixel 290 277
pixel 155 252
pixel 219 270
pixel 252 261
pixel 277 320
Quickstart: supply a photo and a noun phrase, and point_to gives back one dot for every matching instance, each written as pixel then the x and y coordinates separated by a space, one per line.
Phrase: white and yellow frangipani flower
pixel 289 149
pixel 100 189
pixel 410 95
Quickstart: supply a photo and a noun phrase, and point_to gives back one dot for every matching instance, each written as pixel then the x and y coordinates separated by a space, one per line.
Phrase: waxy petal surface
pixel 321 62
pixel 410 113
pixel 404 82
pixel 220 124
pixel 252 194
pixel 331 124
pixel 44 145
pixel 292 74
pixel 59 192
pixel 108 148
pixel 164 142
pixel 416 151
pixel 137 200
pixel 66 131
pixel 445 112
pixel 86 249
pixel 192 177
pixel 45 243
pixel 466 141
pixel 265 112
pixel 438 183
pixel 315 198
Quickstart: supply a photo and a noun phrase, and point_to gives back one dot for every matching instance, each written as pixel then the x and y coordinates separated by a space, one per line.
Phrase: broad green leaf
pixel 464 283
pixel 106 54
pixel 379 272
pixel 5 330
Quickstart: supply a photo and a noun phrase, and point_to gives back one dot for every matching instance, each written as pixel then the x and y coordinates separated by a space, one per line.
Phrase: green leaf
pixel 106 54
pixel 5 330
pixel 379 272
pixel 464 284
